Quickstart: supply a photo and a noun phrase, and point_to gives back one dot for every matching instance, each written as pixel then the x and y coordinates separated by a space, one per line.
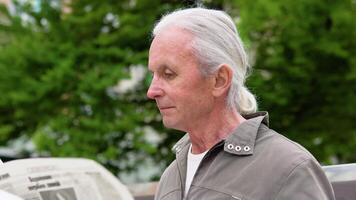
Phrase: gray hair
pixel 215 42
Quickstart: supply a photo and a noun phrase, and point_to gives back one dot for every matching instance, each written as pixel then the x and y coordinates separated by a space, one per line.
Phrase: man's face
pixel 182 94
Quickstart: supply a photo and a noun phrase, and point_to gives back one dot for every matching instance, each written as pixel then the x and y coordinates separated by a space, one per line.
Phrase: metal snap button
pixel 230 146
pixel 178 148
pixel 238 148
pixel 247 148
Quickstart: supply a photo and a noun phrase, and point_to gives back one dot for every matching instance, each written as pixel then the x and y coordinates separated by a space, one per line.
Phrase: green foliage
pixel 305 71
pixel 58 70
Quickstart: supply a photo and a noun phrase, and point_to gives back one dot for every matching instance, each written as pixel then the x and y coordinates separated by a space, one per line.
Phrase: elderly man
pixel 199 68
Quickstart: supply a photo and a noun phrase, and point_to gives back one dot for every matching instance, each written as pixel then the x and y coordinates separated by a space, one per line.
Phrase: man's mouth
pixel 165 107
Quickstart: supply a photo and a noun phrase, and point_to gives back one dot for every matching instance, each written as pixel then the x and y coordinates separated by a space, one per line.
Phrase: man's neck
pixel 211 131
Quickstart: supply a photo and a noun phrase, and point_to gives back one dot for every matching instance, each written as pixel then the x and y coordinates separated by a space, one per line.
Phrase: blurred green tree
pixel 73 80
pixel 305 70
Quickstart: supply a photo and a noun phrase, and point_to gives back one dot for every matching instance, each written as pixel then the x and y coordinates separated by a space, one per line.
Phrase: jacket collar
pixel 183 142
pixel 241 141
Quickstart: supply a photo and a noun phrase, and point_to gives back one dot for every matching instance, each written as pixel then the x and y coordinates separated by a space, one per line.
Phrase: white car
pixel 343 180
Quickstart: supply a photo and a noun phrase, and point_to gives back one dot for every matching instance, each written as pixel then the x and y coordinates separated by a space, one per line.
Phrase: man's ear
pixel 223 79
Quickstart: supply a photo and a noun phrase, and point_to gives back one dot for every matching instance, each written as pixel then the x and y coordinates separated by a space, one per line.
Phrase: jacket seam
pixel 219 191
pixel 290 173
pixel 169 193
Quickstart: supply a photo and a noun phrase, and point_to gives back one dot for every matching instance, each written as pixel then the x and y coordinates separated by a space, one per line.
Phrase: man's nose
pixel 155 90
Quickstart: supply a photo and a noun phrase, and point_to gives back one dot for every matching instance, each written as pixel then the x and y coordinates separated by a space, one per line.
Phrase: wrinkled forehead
pixel 173 38
pixel 172 47
pixel 173 41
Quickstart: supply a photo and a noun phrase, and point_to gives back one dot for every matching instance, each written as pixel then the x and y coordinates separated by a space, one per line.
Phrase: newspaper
pixel 60 179
pixel 5 195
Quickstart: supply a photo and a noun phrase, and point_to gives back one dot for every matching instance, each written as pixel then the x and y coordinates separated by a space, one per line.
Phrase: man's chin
pixel 169 123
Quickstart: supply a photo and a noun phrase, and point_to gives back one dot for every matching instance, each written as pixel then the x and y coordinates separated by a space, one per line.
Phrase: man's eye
pixel 168 74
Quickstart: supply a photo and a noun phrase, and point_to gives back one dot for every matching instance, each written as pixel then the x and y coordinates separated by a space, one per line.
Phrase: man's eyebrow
pixel 159 68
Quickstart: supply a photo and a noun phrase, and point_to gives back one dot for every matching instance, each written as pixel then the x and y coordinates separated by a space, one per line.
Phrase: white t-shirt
pixel 193 161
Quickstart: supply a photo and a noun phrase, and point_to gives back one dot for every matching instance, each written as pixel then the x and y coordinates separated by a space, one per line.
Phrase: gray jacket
pixel 253 163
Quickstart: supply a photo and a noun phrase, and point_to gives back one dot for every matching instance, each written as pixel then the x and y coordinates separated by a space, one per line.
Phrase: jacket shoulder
pixel 284 150
pixel 298 171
